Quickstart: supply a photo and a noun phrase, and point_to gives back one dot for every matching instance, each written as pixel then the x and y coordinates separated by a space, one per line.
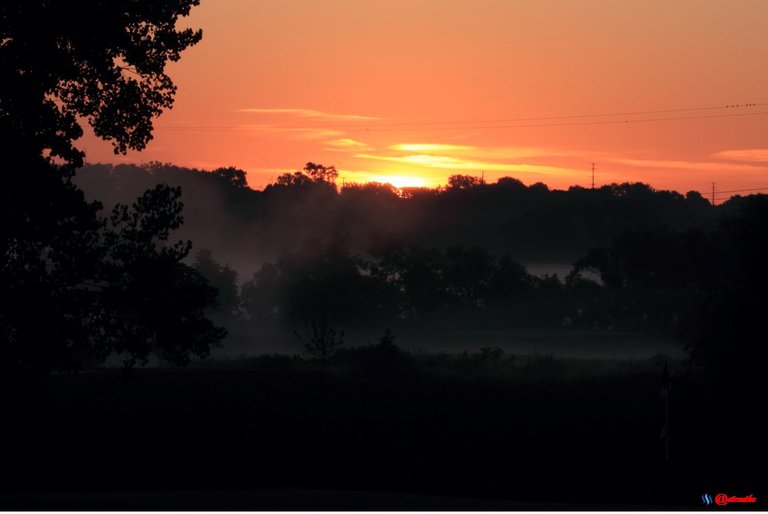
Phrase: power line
pixel 383 125
pixel 573 124
pixel 720 196
pixel 577 116
pixel 743 190
pixel 235 128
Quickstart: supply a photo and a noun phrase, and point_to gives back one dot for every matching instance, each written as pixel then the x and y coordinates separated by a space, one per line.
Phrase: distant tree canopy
pixel 464 182
pixel 460 285
pixel 101 61
pixel 222 277
pixel 295 179
pixel 312 178
pixel 529 222
pixel 726 329
pixel 233 176
pixel 320 173
pixel 667 262
pixel 371 189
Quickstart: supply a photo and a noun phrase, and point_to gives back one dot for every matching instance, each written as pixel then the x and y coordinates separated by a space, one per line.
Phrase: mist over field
pixel 546 232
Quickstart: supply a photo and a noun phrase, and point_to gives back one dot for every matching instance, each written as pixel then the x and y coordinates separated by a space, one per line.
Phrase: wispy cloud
pixel 453 163
pixel 751 155
pixel 308 113
pixel 686 165
pixel 347 145
pixel 310 133
pixel 292 132
pixel 430 147
pixel 502 153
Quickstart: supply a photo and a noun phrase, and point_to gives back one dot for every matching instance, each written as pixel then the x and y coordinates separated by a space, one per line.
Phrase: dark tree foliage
pixel 233 176
pixel 320 339
pixel 458 286
pixel 46 242
pixel 531 224
pixel 295 179
pixel 320 173
pixel 319 281
pixel 370 191
pixel 464 182
pixel 725 331
pixel 76 287
pixel 103 61
pixel 664 265
pixel 262 297
pixel 223 278
pixel 310 176
pixel 652 274
pixel 150 301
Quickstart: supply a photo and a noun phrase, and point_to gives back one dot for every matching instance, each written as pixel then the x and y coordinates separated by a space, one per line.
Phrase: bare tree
pixel 320 339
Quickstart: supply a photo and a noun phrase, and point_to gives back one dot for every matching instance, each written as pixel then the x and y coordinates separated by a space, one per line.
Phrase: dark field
pixel 571 343
pixel 376 429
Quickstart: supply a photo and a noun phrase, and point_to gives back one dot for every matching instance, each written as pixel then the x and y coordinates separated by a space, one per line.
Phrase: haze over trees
pixel 369 255
pixel 532 224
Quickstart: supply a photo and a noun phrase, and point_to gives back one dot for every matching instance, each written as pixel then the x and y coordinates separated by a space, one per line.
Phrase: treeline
pixel 706 288
pixel 530 223
pixel 371 256
pixel 402 285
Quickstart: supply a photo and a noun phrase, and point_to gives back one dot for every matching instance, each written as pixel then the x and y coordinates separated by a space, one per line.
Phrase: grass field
pixel 535 430
pixel 561 343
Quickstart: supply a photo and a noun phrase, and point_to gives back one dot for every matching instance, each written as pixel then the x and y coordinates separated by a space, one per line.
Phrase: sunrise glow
pixel 398 181
pixel 537 91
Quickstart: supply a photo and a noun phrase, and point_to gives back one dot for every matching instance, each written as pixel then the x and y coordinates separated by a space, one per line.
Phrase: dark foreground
pixel 381 431
pixel 276 499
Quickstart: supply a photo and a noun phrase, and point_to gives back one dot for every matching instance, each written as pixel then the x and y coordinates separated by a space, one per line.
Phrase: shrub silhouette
pixel 320 339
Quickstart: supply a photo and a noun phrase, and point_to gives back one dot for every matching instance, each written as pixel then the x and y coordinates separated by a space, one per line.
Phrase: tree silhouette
pixel 233 176
pixel 220 276
pixel 320 339
pixel 96 287
pixel 147 300
pixel 313 177
pixel 464 182
pixel 75 286
pixel 320 173
pixel 725 331
pixel 295 179
pixel 261 297
pixel 59 66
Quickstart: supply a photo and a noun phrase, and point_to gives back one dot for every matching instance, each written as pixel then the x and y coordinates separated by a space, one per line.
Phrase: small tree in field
pixel 320 339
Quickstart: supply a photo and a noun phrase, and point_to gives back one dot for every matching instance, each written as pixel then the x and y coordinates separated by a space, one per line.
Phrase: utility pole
pixel 666 388
pixel 713 194
pixel 593 175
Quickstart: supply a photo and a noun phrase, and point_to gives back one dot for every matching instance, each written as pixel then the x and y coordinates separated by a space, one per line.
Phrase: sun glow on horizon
pixel 430 147
pixel 399 181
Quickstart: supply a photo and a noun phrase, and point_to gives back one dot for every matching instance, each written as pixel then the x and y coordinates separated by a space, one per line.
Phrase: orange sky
pixel 413 91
